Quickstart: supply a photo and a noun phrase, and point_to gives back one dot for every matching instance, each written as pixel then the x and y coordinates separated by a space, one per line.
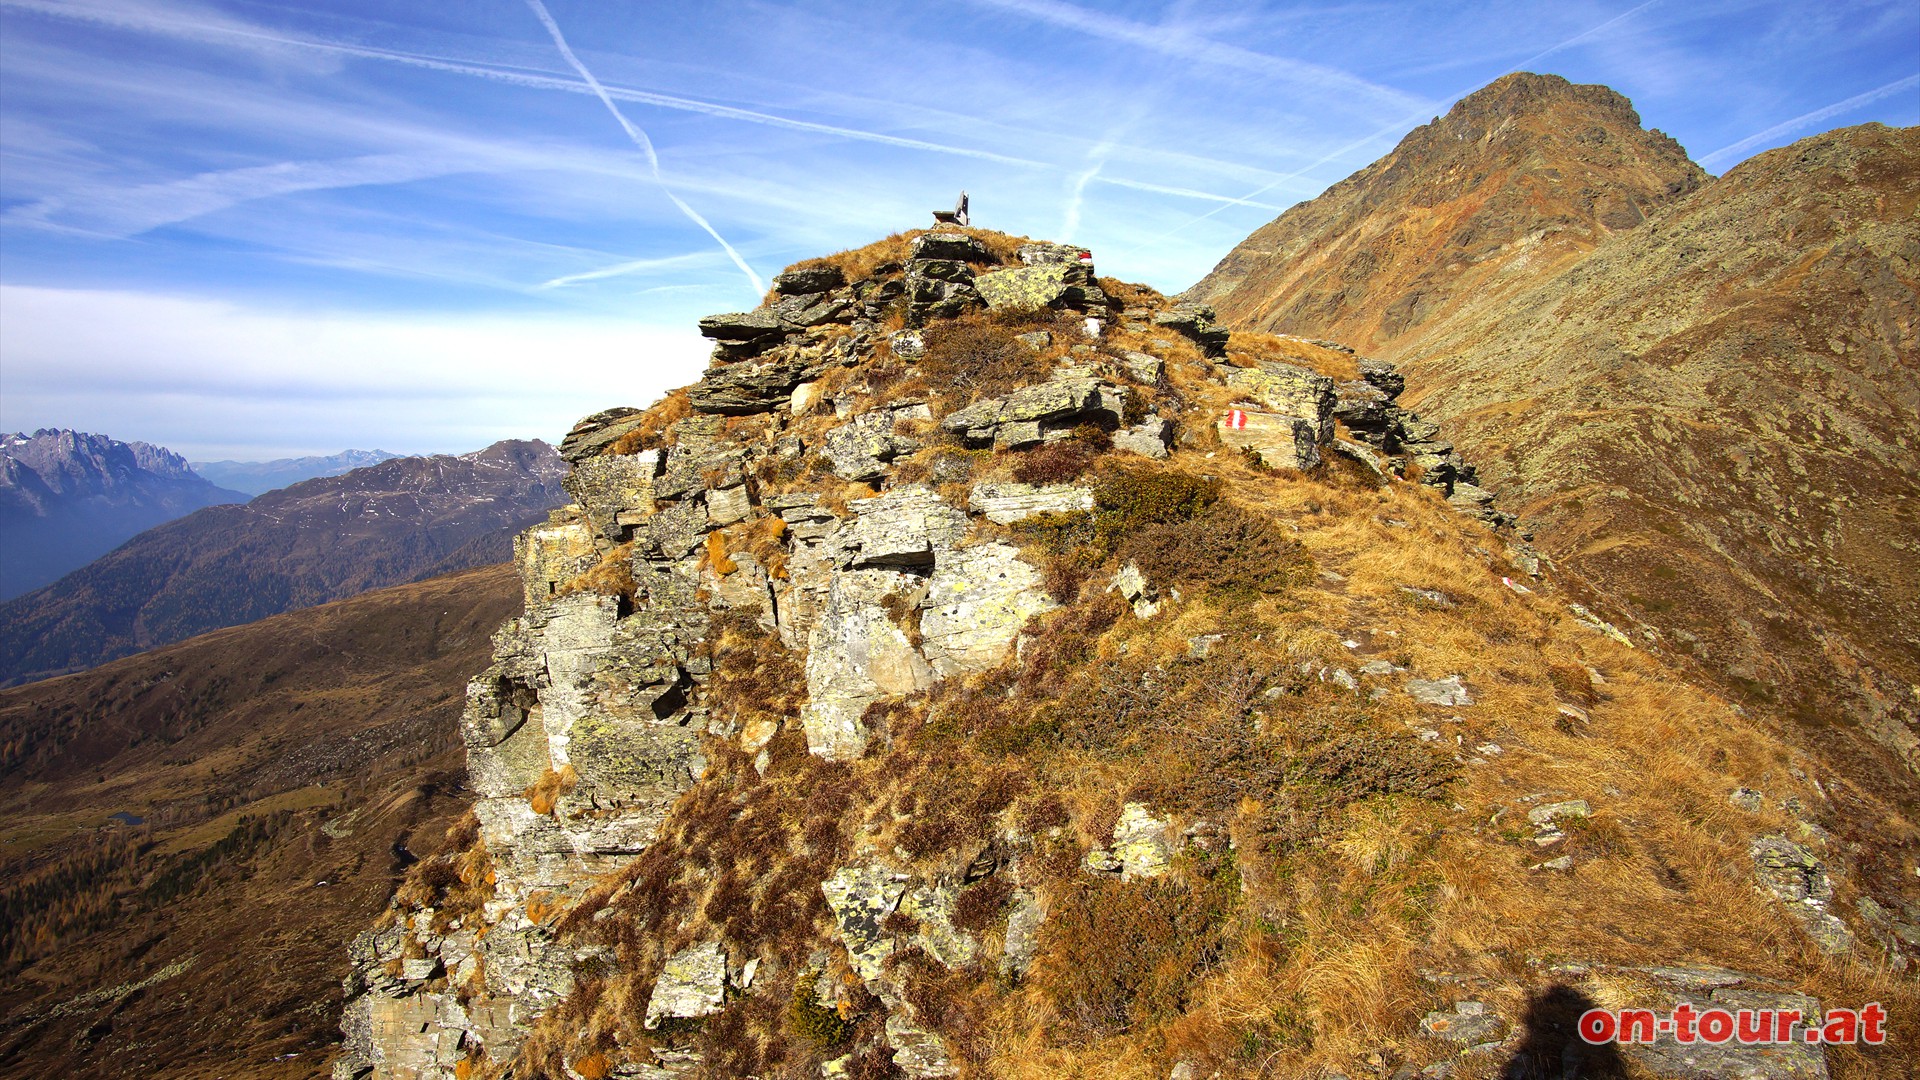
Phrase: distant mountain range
pixel 260 477
pixel 319 540
pixel 69 497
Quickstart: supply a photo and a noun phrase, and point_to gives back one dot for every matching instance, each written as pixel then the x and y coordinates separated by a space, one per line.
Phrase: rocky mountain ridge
pixel 1703 408
pixel 987 666
pixel 316 541
pixel 67 497
pixel 1516 179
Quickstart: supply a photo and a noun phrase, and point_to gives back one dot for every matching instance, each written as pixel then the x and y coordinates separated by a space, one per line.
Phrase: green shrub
pixel 1126 499
pixel 818 1024
pixel 1231 551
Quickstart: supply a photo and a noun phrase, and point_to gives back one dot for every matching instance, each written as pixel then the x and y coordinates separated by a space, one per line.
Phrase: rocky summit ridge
pixel 1697 391
pixel 989 663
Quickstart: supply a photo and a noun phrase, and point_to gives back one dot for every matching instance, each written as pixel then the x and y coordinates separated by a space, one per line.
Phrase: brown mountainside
pixel 1714 416
pixel 320 540
pixel 1517 178
pixel 261 761
pixel 1708 414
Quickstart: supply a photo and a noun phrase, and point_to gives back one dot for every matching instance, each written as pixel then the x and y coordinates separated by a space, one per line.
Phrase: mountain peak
pixel 1529 171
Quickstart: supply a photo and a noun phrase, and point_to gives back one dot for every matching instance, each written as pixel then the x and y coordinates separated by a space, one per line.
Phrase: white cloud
pixel 217 378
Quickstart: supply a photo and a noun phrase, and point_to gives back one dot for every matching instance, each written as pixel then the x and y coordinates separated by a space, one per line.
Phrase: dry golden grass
pixel 611 576
pixel 1248 347
pixel 545 793
pixel 663 414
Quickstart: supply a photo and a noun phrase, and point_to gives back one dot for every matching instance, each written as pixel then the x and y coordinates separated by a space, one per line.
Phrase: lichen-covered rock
pixel 931 906
pixel 1024 417
pixel 1060 284
pixel 1289 391
pixel 862 449
pixel 596 432
pixel 1025 915
pixel 1150 438
pixel 692 984
pixel 1006 503
pixel 1047 254
pixel 956 246
pixel 977 600
pixel 1137 590
pixel 1789 871
pixel 1198 322
pixel 553 554
pixel 1797 878
pixel 1140 842
pixel 903 527
pixel 614 491
pixel 811 279
pixel 1145 367
pixel 857 655
pixel 861 898
pixel 755 385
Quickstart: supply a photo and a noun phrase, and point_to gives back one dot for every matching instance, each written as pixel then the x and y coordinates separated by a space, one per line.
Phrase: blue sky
pixel 250 229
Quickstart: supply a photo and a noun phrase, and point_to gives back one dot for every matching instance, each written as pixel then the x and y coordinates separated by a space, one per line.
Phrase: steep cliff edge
pixel 988 669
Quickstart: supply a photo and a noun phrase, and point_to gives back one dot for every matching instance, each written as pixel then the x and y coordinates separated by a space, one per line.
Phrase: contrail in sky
pixel 645 144
pixel 1814 117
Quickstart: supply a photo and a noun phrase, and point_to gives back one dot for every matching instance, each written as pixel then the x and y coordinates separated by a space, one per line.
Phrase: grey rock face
pixel 1470 1022
pixel 861 898
pixel 1052 254
pixel 614 491
pixel 1048 285
pixel 755 385
pixel 1793 1059
pixel 861 449
pixel 977 600
pixel 1198 322
pixel 1283 442
pixel 1151 438
pixel 1024 417
pixel 1448 692
pixel 949 245
pixel 692 984
pixel 903 549
pixel 1145 367
pixel 1798 879
pixel 1004 504
pixel 813 280
pixel 598 431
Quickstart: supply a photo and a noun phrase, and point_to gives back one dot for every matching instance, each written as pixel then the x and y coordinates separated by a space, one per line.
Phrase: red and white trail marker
pixel 1086 256
pixel 1236 420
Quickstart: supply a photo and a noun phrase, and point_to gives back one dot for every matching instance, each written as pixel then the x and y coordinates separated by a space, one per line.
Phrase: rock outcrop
pixel 751 758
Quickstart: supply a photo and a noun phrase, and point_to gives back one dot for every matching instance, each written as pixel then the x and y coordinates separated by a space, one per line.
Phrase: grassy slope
pixel 235 747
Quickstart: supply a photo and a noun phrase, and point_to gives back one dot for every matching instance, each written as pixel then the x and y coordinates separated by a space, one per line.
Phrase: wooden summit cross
pixel 955 216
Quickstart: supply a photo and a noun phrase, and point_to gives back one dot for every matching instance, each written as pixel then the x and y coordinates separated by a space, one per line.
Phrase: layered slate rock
pixel 1029 416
